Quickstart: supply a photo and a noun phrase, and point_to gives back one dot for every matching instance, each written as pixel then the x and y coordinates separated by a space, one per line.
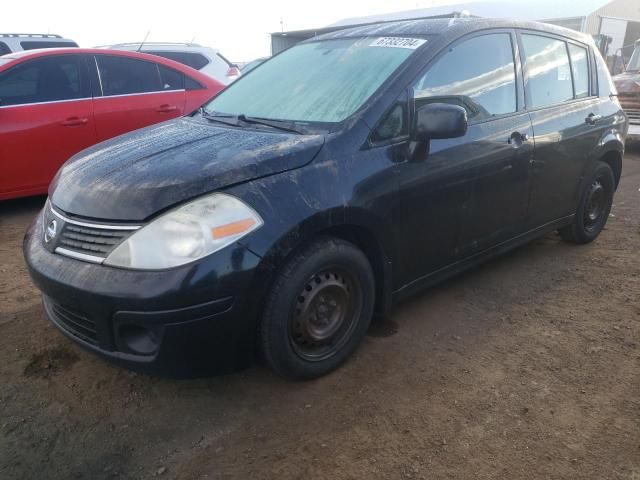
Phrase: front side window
pixel 394 124
pixel 580 68
pixel 125 76
pixel 43 80
pixel 469 76
pixel 548 69
pixel 324 81
pixel 4 49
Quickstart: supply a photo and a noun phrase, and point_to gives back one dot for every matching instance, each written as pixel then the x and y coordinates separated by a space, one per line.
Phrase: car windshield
pixel 324 81
pixel 634 62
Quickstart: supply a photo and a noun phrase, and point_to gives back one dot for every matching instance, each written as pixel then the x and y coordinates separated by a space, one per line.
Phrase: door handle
pixel 516 139
pixel 75 122
pixel 592 118
pixel 166 108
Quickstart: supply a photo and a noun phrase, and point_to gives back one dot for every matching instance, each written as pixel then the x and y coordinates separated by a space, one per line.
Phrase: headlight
pixel 189 232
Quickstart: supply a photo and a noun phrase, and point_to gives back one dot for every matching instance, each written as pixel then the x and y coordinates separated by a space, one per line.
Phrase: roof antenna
pixel 192 40
pixel 145 39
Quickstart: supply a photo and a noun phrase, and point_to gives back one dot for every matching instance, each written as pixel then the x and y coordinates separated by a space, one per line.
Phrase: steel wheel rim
pixel 595 205
pixel 325 313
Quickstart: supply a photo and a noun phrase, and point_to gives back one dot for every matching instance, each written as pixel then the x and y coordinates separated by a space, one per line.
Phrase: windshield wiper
pixel 234 121
pixel 269 123
pixel 219 118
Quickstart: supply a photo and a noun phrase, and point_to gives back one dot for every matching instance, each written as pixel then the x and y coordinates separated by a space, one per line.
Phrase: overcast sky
pixel 239 28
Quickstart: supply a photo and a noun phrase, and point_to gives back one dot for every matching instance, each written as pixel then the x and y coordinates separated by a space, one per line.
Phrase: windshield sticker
pixel 398 42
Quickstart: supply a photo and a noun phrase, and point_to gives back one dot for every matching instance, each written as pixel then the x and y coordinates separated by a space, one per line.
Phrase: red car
pixel 57 102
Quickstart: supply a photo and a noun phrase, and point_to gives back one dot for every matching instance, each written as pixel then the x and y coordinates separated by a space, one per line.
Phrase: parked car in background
pixel 344 174
pixel 253 64
pixel 208 60
pixel 56 102
pixel 17 42
pixel 628 86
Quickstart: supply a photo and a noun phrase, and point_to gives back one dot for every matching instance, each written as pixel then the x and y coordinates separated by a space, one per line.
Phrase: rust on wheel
pixel 325 314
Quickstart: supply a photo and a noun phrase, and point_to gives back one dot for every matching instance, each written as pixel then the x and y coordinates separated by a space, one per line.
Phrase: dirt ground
pixel 525 368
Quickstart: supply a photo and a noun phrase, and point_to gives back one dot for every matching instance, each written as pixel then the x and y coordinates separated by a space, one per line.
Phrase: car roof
pixel 46 52
pixel 447 27
pixel 168 46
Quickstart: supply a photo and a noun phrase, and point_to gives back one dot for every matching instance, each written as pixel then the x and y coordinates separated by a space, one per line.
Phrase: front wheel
pixel 594 207
pixel 318 310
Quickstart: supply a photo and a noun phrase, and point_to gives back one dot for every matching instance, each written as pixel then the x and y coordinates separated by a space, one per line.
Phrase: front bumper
pixel 195 320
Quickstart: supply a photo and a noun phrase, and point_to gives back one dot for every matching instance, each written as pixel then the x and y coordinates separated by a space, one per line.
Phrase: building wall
pixel 625 9
pixel 280 43
pixel 574 23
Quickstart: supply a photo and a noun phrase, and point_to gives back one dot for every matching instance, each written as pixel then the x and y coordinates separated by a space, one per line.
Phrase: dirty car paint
pixel 137 175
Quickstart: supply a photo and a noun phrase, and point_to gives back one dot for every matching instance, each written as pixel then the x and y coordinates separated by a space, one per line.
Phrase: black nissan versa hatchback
pixel 291 208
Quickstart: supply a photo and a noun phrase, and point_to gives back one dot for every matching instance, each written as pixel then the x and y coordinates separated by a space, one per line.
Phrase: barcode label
pixel 398 42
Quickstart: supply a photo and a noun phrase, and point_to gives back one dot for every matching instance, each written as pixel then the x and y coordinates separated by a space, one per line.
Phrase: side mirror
pixel 440 120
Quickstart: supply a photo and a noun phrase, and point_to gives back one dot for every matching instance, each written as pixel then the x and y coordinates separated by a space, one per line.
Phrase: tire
pixel 593 211
pixel 318 309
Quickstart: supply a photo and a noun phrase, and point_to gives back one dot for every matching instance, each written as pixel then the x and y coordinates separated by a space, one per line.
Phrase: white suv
pixel 16 42
pixel 208 60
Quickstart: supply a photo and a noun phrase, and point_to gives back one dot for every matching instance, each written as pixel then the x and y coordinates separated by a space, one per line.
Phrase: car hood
pixel 132 177
pixel 627 82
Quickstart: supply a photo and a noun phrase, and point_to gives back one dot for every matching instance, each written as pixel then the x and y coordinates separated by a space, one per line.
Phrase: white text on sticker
pixel 398 42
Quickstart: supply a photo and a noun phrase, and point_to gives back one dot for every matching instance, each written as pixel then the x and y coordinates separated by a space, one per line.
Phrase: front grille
pixel 75 323
pixel 634 116
pixel 90 240
pixel 631 106
pixel 82 240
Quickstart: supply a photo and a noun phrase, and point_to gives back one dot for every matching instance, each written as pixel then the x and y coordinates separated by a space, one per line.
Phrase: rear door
pixel 565 118
pixel 45 117
pixel 134 93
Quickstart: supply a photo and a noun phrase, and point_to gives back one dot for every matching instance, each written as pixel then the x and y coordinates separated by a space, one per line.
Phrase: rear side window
pixel 580 69
pixel 548 70
pixel 191 59
pixel 125 76
pixel 171 79
pixel 4 49
pixel 44 80
pixel 191 84
pixel 484 84
pixel 197 60
pixel 606 86
pixel 34 44
pixel 179 57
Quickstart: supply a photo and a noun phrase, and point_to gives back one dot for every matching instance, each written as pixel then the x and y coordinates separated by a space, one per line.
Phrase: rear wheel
pixel 318 310
pixel 594 207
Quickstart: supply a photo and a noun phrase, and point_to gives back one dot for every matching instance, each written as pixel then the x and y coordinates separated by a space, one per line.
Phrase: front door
pixel 469 192
pixel 46 116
